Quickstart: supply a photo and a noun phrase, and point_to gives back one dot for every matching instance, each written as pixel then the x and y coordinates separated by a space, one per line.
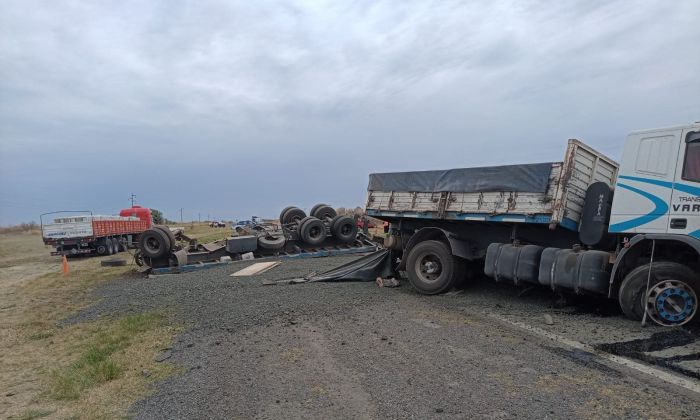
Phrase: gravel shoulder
pixel 327 350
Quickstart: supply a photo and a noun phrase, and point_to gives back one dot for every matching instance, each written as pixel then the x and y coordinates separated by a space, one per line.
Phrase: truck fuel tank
pixel 582 271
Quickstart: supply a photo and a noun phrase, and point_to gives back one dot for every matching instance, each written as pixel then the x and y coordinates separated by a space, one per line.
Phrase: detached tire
pixel 154 243
pixel 676 302
pixel 312 231
pixel 295 214
pixel 113 263
pixel 432 268
pixel 344 228
pixel 272 243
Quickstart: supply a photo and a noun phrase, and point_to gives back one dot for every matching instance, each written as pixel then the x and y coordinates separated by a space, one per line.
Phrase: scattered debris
pixel 256 268
pixel 163 356
pixel 391 282
pixel 548 319
pixel 225 258
pixel 247 256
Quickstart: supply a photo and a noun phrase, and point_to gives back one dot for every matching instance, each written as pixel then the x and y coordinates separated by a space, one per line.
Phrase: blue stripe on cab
pixel 660 209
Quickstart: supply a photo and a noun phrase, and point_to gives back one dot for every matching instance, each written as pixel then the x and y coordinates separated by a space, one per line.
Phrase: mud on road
pixel 328 350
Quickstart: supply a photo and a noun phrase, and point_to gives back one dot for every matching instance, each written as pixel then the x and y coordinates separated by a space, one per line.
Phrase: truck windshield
pixel 691 168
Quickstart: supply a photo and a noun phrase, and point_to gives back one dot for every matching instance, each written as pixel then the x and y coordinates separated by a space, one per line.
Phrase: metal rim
pixel 316 231
pixel 671 302
pixel 429 267
pixel 152 245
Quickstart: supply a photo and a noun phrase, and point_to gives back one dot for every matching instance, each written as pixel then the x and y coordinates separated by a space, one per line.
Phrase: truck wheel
pixel 344 228
pixel 432 268
pixel 292 215
pixel 154 243
pixel 168 233
pixel 323 211
pixel 102 248
pixel 284 210
pixel 673 293
pixel 115 245
pixel 110 246
pixel 271 242
pixel 312 231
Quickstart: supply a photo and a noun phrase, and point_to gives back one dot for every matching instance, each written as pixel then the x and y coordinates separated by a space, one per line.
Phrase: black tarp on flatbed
pixel 531 178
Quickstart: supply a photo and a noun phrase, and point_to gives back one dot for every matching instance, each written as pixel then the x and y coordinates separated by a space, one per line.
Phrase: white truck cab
pixel 658 187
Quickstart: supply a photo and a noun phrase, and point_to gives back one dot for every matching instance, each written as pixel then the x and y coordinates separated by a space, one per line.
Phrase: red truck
pixel 86 233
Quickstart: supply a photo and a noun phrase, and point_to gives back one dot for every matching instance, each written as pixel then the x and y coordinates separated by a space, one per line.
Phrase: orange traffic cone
pixel 65 265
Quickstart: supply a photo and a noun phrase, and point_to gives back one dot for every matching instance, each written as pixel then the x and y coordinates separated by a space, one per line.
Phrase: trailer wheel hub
pixel 671 302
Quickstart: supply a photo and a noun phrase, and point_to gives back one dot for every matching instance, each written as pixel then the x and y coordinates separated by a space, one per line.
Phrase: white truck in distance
pixel 585 225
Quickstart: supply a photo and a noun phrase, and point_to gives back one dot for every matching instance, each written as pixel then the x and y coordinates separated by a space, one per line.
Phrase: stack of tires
pixel 322 222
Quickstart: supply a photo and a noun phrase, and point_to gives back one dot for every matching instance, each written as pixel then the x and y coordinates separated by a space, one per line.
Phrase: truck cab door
pixel 644 188
pixel 685 206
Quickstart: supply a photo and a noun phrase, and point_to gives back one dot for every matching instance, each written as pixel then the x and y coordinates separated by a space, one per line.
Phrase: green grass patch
pixel 95 365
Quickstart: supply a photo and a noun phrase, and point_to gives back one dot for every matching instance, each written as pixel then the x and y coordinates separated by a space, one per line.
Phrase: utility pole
pixel 181 214
pixel 133 199
pixel 199 217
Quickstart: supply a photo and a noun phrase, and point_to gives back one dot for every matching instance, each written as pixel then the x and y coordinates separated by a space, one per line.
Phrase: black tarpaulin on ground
pixel 367 268
pixel 532 178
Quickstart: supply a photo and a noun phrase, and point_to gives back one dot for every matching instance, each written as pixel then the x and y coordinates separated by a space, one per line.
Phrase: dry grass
pixel 87 370
pixel 203 233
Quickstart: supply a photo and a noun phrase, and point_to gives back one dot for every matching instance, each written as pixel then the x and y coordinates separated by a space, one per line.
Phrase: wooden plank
pixel 256 268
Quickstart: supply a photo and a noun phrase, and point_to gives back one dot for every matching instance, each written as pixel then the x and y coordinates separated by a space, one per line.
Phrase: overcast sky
pixel 233 109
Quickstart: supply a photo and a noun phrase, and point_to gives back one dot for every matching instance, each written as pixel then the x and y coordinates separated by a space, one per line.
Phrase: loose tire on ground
pixel 344 228
pixel 113 263
pixel 432 268
pixel 633 299
pixel 312 231
pixel 272 242
pixel 323 211
pixel 292 215
pixel 154 243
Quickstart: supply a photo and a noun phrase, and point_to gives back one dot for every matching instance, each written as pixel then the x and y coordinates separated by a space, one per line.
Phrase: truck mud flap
pixel 367 268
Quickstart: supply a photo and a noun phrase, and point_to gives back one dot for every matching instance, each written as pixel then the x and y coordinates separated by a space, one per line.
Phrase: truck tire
pixel 673 299
pixel 272 242
pixel 154 243
pixel 115 245
pixel 312 231
pixel 295 214
pixel 432 268
pixel 344 228
pixel 110 246
pixel 323 212
pixel 102 248
pixel 168 233
pixel 284 210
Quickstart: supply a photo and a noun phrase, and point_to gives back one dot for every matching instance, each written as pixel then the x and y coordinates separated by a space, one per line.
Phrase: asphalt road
pixel 353 350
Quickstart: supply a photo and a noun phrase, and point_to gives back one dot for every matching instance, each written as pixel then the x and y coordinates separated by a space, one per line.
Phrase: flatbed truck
pixel 585 225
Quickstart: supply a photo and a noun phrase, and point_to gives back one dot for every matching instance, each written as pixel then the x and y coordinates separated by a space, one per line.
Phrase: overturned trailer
pixel 322 233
